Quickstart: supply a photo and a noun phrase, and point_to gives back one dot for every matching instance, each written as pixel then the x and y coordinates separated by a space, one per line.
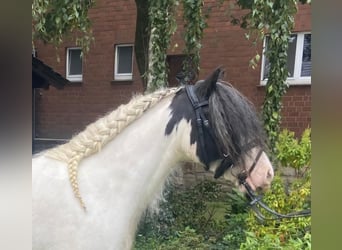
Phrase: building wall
pixel 61 113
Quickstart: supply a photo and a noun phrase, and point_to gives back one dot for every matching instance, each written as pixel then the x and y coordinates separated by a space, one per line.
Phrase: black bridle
pixel 202 122
pixel 227 162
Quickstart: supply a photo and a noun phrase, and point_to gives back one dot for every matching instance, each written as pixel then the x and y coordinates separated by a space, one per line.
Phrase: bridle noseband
pixel 227 162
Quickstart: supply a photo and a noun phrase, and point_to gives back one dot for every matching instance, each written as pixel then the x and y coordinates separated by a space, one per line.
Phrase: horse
pixel 91 192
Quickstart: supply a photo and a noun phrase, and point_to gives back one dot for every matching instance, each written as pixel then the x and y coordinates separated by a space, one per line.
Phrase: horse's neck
pixel 131 170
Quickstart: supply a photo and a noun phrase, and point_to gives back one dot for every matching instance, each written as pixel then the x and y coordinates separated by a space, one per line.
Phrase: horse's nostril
pixel 259 190
pixel 270 174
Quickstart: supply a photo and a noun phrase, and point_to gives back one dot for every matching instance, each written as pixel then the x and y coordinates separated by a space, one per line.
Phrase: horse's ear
pixel 207 86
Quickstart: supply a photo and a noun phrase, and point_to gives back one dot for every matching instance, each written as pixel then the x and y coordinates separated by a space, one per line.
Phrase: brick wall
pixel 61 113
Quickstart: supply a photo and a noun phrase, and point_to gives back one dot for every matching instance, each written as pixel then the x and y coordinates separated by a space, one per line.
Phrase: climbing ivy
pixel 281 19
pixel 274 18
pixel 54 20
pixel 194 24
pixel 162 26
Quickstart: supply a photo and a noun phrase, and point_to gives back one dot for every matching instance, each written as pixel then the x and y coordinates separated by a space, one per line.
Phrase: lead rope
pixel 257 200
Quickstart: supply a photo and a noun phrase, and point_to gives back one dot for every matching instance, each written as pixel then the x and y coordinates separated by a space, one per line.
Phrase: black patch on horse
pixel 181 109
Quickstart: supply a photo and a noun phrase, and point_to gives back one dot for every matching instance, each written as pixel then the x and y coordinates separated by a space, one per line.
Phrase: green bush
pixel 190 219
pixel 294 233
pixel 272 242
pixel 195 208
pixel 292 152
pixel 191 207
pixel 185 240
pixel 235 220
pixel 282 233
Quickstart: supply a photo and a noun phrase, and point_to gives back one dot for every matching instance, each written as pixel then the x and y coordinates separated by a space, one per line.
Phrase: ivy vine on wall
pixel 54 20
pixel 274 18
pixel 163 26
pixel 194 24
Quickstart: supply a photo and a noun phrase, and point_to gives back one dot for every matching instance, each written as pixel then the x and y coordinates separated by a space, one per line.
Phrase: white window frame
pixel 72 78
pixel 121 76
pixel 297 79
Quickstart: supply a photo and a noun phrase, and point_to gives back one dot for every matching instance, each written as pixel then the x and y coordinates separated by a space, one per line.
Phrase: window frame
pixel 297 79
pixel 122 76
pixel 73 78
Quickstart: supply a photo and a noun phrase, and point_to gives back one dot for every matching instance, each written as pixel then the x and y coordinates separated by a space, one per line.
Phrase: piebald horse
pixel 91 192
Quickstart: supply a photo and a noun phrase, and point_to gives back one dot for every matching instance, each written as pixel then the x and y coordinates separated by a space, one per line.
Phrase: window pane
pixel 267 63
pixel 75 62
pixel 125 59
pixel 291 55
pixel 306 59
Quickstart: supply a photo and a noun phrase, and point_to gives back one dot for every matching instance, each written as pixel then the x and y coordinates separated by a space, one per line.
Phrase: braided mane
pixel 99 133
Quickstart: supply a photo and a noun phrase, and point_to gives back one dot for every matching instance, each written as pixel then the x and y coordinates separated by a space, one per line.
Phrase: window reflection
pixel 306 59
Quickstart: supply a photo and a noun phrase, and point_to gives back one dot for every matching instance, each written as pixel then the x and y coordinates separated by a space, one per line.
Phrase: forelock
pixel 234 121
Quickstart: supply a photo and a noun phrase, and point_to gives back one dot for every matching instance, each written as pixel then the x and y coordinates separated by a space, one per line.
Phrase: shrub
pixel 188 220
pixel 272 242
pixel 282 233
pixel 235 215
pixel 185 240
pixel 184 210
pixel 292 152
pixel 191 208
pixel 294 233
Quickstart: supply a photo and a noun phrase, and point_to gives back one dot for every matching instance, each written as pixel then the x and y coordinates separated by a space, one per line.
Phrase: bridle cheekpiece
pixel 201 123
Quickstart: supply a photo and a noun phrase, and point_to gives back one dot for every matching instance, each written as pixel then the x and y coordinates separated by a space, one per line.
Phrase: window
pixel 123 68
pixel 74 65
pixel 298 61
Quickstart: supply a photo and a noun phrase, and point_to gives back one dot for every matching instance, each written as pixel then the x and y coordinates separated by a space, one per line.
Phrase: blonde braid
pixel 101 132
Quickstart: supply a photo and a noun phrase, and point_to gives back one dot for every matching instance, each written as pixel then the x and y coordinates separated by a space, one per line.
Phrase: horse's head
pixel 225 131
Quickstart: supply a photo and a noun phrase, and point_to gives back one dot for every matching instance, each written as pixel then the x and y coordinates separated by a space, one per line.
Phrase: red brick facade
pixel 61 113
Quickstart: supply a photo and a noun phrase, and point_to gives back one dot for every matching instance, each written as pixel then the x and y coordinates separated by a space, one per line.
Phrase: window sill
pixel 74 80
pixel 291 82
